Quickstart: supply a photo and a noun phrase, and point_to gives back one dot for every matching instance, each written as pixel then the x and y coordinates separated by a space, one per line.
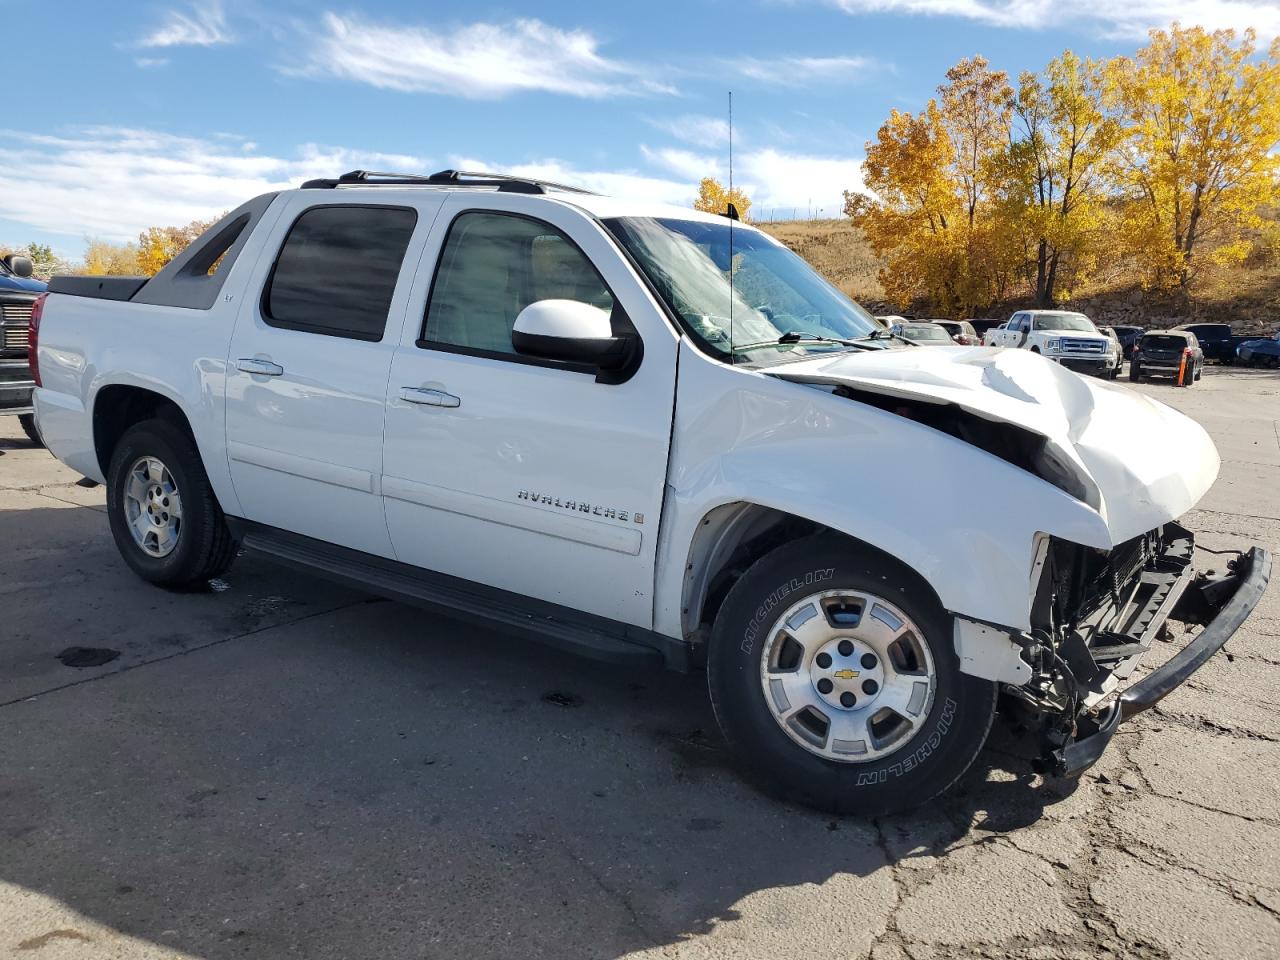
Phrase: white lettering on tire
pixel 776 597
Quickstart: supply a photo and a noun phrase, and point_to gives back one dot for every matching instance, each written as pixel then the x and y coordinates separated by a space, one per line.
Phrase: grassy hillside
pixel 1246 296
pixel 837 250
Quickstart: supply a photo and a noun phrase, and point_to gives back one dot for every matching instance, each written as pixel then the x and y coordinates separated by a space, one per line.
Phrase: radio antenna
pixel 733 215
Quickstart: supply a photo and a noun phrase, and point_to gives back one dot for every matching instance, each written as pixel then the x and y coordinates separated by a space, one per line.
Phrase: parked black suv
pixel 18 294
pixel 1161 353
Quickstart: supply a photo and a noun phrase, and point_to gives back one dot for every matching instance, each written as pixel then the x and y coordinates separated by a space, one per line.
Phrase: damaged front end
pixel 1095 613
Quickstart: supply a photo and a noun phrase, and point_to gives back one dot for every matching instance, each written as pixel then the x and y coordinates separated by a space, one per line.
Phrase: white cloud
pixel 697 129
pixel 780 184
pixel 113 182
pixel 686 164
pixel 204 25
pixel 799 71
pixel 627 183
pixel 479 60
pixel 1128 20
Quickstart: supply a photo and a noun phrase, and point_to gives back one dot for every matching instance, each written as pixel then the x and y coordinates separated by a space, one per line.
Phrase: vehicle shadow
pixel 384 781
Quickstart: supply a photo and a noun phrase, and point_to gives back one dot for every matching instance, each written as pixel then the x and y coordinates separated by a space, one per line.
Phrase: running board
pixel 598 638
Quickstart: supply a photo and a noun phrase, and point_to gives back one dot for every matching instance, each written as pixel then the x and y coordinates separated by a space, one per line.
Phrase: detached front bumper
pixel 1222 605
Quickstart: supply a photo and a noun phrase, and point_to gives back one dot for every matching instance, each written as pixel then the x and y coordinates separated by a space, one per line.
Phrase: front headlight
pixel 1053 345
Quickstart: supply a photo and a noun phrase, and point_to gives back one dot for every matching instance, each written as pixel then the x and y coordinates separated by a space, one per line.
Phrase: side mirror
pixel 570 331
pixel 20 266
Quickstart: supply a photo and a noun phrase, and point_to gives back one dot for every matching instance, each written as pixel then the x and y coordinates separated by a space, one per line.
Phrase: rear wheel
pixel 834 676
pixel 164 516
pixel 28 423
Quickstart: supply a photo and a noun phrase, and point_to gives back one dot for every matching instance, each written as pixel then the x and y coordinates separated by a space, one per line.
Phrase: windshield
pixel 1065 321
pixel 926 332
pixel 773 292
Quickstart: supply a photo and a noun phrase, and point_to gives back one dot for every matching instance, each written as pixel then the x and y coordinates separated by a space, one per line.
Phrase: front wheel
pixel 834 676
pixel 164 516
pixel 28 423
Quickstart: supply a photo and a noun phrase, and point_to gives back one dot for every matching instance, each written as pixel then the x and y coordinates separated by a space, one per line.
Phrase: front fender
pixel 962 518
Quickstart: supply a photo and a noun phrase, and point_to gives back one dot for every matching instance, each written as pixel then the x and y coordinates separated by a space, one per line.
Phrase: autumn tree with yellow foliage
pixel 1055 173
pixel 158 245
pixel 932 213
pixel 714 198
pixel 105 259
pixel 1200 116
pixel 1159 161
pixel 911 216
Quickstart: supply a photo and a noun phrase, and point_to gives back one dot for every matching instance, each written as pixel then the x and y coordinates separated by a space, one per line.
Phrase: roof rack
pixel 445 178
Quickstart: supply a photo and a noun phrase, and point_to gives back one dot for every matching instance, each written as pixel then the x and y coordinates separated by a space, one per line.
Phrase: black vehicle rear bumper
pixel 1223 605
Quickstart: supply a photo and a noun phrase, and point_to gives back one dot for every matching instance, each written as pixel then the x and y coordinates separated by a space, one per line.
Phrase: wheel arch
pixel 732 536
pixel 118 406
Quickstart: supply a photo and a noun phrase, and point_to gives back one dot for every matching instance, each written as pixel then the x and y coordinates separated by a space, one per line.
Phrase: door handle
pixel 263 368
pixel 433 398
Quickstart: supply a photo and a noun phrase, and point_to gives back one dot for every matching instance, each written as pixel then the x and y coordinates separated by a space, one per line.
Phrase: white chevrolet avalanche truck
pixel 1065 336
pixel 648 434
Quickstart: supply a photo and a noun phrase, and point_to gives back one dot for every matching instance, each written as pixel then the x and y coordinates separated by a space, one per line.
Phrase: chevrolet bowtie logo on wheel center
pixel 845 674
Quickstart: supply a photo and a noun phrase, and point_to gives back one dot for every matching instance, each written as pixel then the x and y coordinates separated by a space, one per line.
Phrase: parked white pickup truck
pixel 1069 338
pixel 565 414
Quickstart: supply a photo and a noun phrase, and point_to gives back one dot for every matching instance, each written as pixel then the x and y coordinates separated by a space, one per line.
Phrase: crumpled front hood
pixel 1144 463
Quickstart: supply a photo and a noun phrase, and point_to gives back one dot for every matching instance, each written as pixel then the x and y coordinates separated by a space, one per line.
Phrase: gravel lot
pixel 279 767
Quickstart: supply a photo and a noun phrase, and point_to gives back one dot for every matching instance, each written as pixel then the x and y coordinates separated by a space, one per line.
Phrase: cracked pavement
pixel 280 767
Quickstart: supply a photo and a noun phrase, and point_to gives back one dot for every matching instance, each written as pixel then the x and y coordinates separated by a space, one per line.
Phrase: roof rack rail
pixel 445 178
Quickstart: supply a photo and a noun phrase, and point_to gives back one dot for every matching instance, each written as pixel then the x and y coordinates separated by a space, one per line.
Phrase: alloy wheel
pixel 153 507
pixel 847 675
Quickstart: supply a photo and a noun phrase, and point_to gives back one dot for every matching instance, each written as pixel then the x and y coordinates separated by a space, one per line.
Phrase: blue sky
pixel 123 115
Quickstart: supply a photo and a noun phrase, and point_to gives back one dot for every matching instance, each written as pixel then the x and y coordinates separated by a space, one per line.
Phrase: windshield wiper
pixel 888 335
pixel 792 336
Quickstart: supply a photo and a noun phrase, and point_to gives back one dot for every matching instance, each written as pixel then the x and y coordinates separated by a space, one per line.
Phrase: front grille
pixel 16 313
pixel 1074 345
pixel 14 317
pixel 14 337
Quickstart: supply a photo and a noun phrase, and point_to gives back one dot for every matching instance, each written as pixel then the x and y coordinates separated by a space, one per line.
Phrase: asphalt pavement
pixel 275 767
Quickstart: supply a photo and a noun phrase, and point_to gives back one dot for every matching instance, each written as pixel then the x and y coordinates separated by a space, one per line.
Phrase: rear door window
pixel 337 269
